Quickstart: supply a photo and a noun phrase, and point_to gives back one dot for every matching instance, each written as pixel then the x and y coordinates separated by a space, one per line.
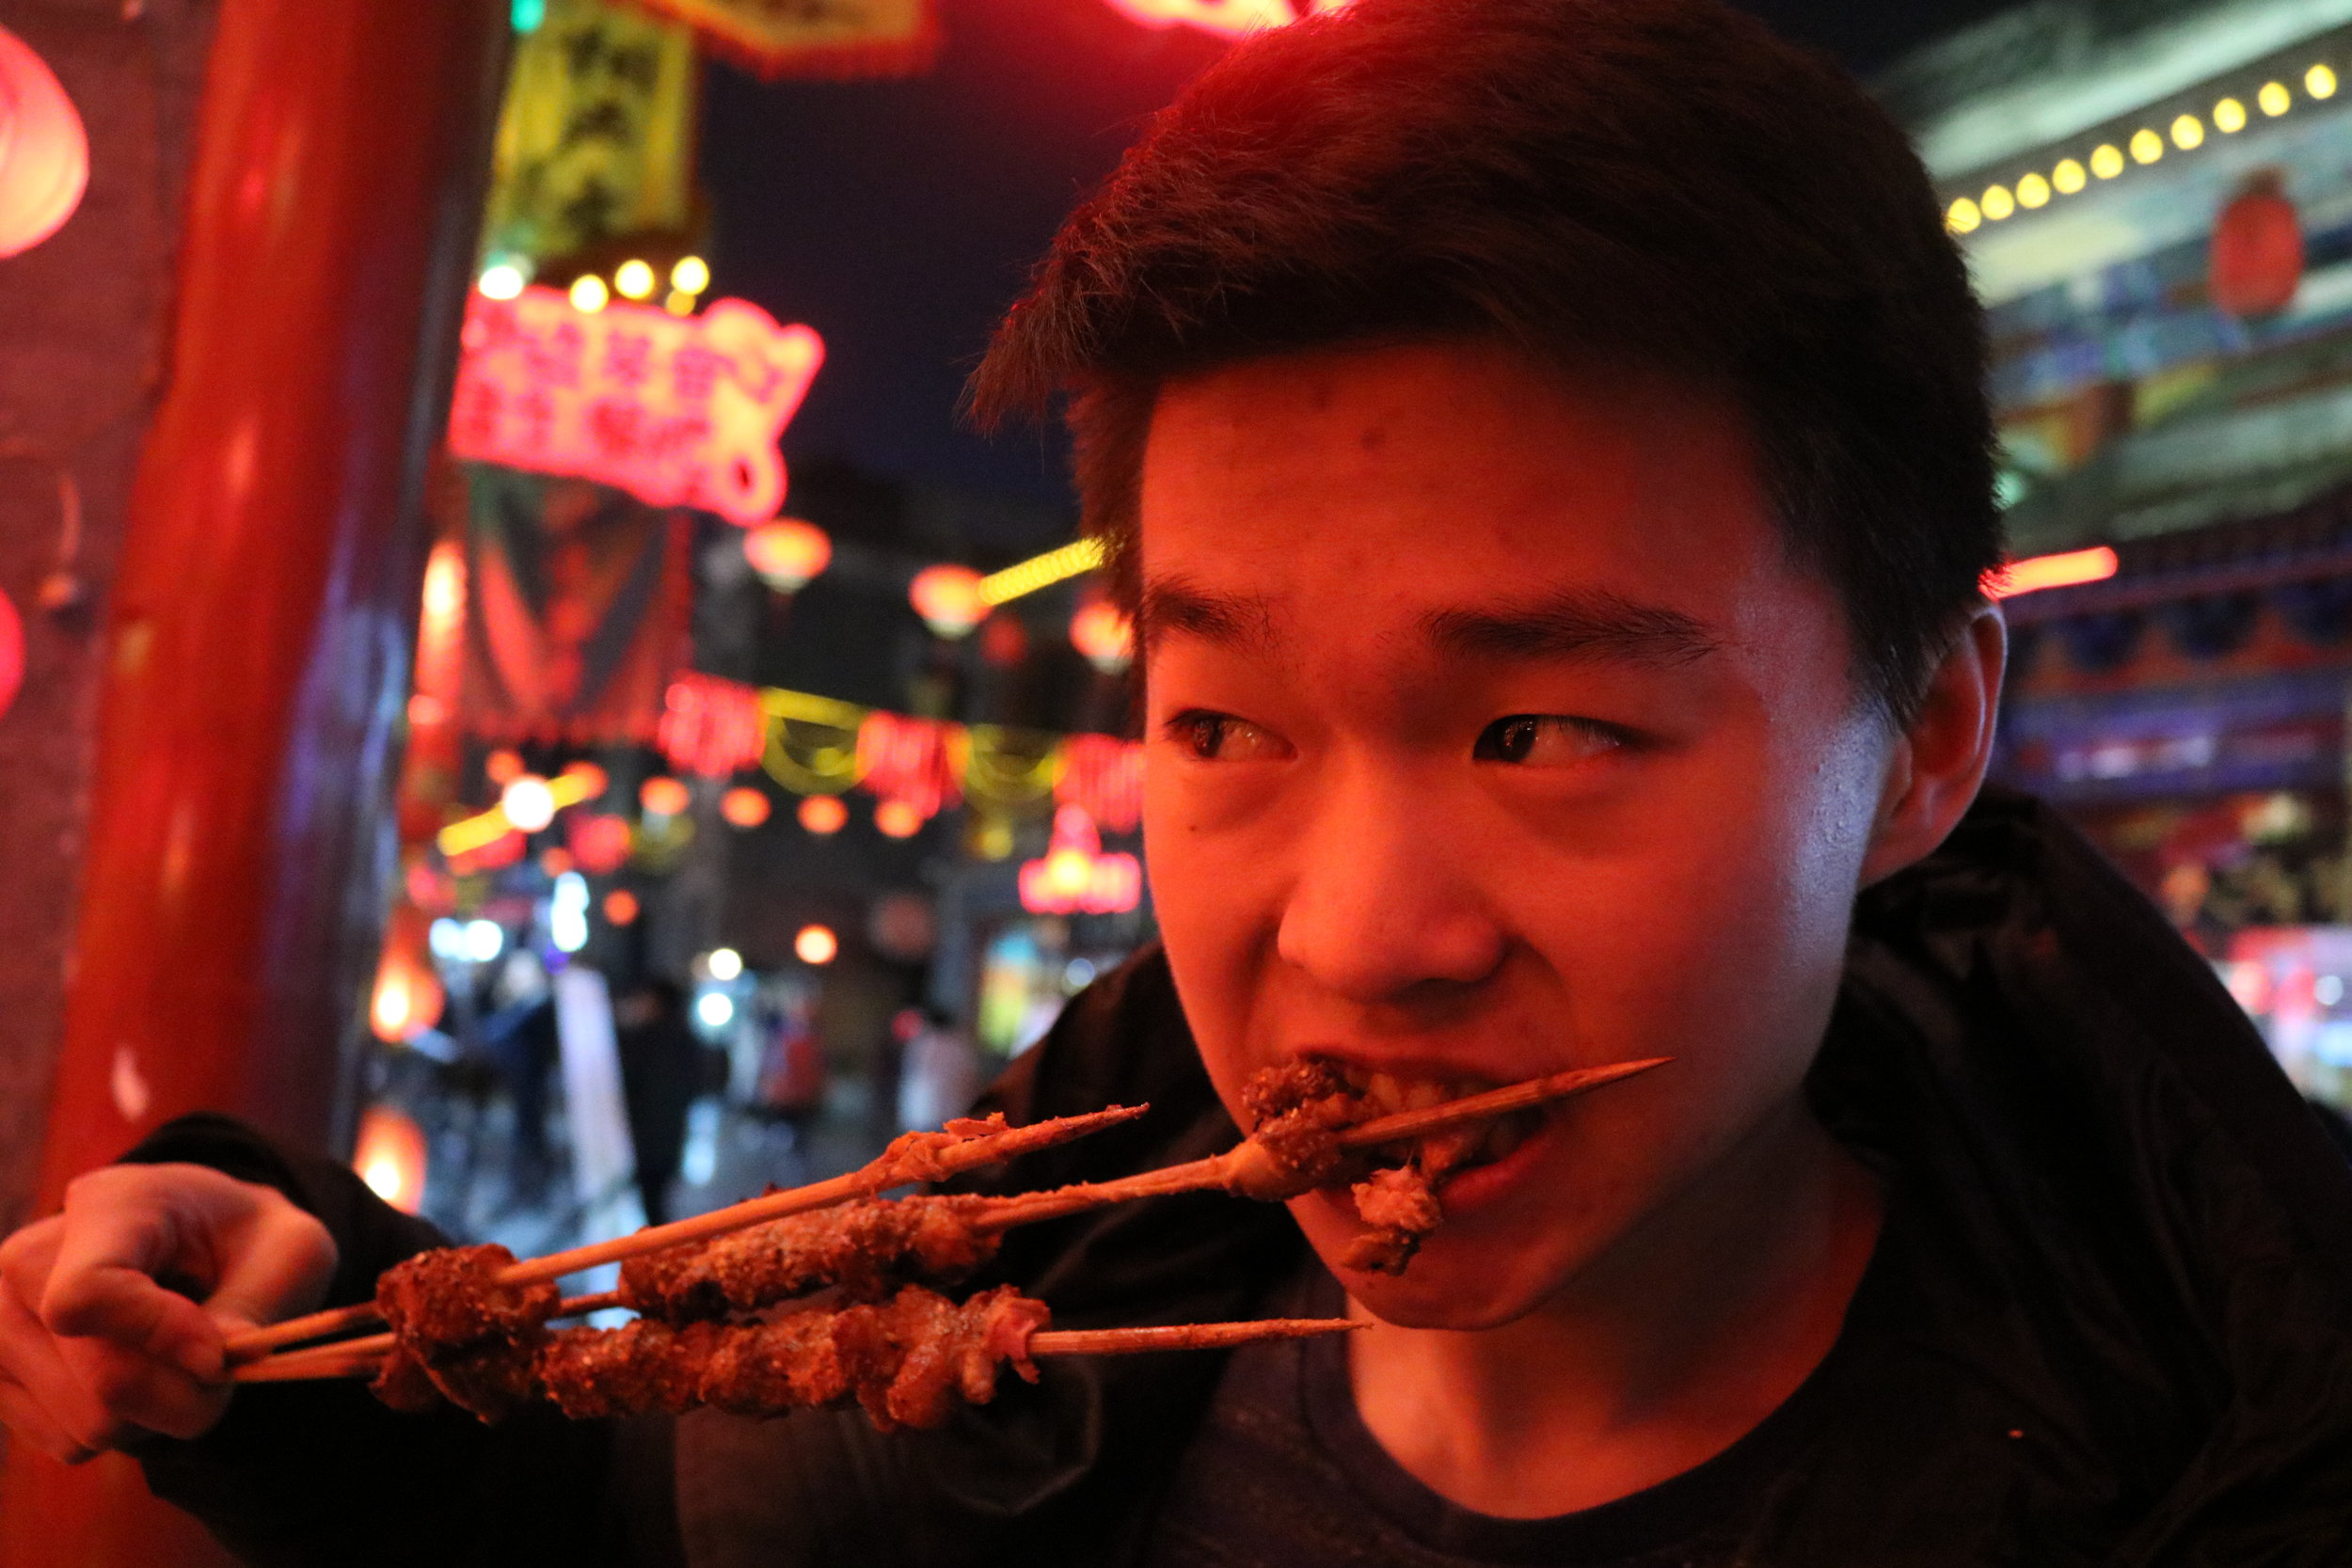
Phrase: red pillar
pixel 259 630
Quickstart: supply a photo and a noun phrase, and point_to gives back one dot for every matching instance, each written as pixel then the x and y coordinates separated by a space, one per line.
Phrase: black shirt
pixel 1283 1471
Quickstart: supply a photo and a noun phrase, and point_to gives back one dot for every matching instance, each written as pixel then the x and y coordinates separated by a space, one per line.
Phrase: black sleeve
pixel 307 1473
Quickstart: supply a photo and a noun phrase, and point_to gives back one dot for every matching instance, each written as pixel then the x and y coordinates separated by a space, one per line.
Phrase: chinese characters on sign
pixel 677 410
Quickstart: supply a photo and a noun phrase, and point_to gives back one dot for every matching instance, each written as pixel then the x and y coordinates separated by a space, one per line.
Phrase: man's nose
pixel 1379 905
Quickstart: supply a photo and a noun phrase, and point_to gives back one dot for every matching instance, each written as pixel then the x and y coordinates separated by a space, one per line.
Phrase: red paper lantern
pixel 662 795
pixel 1101 632
pixel 744 806
pixel 787 552
pixel 44 155
pixel 948 599
pixel 823 815
pixel 11 653
pixel 2257 257
pixel 599 842
pixel 621 907
pixel 390 1157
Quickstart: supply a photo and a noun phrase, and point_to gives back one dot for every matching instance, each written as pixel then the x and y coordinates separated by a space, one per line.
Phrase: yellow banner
pixel 596 137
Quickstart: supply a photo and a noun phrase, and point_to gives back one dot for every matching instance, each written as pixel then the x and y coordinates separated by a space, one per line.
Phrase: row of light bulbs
pixel 2145 146
pixel 634 279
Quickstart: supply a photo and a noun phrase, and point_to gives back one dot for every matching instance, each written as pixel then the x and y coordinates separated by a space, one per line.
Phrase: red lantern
pixel 11 653
pixel 2257 258
pixel 744 806
pixel 390 1157
pixel 599 842
pixel 948 599
pixel 1103 635
pixel 45 156
pixel 787 552
pixel 662 795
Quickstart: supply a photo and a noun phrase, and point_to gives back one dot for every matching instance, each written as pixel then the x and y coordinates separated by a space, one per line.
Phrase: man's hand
pixel 114 1315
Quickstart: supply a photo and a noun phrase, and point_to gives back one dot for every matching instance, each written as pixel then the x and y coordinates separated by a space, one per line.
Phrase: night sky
pixel 899 217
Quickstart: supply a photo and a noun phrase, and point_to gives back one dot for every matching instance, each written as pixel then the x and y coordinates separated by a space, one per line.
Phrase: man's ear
pixel 1936 765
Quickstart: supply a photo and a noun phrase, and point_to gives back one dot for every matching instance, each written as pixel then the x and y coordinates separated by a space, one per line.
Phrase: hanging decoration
pixel 897 819
pixel 818 747
pixel 578 613
pixel 11 653
pixel 2257 260
pixel 1075 877
pixel 599 842
pixel 44 153
pixel 408 996
pixel 595 140
pixel 711 727
pixel 823 815
pixel 677 410
pixel 1103 778
pixel 915 761
pixel 787 553
pixel 837 40
pixel 390 1156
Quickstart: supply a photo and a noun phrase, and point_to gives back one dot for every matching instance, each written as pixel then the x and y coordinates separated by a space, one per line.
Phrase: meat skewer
pixel 467 1315
pixel 907 1362
pixel 964 1144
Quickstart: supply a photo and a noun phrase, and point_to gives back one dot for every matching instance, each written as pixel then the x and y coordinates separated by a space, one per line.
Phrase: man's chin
pixel 1453 1282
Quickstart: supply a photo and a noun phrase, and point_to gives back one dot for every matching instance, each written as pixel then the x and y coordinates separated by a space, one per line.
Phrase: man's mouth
pixel 1457 1148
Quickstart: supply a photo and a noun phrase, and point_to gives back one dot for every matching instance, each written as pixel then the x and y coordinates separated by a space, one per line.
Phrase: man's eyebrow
pixel 1226 620
pixel 1576 625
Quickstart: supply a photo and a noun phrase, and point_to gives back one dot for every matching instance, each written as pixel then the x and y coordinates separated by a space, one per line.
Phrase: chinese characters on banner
pixel 677 410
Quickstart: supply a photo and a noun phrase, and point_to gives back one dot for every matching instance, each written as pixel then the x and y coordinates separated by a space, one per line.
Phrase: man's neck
pixel 1660 1354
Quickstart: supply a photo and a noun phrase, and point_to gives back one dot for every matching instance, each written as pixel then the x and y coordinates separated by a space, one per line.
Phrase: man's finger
pixel 281 1269
pixel 135 1390
pixel 28 1352
pixel 26 1419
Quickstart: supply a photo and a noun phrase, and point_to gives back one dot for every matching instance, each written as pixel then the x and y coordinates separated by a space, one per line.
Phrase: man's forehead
pixel 1563 622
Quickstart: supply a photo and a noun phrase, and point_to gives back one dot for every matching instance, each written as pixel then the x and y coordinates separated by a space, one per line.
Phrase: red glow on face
pixel 677 410
pixel 745 807
pixel 2036 573
pixel 1226 18
pixel 787 552
pixel 823 815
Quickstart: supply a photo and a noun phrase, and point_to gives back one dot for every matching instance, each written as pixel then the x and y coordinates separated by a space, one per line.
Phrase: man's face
pixel 1490 732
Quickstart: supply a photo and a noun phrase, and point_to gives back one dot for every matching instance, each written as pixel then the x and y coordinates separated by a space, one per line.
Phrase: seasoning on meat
pixel 458 1330
pixel 864 1249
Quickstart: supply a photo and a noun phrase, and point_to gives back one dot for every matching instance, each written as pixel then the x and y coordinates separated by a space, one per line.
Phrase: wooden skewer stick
pixel 915 1158
pixel 1247 1169
pixel 364 1357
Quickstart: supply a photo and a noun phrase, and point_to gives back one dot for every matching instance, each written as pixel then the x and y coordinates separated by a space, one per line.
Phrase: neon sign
pixel 1226 18
pixel 677 410
pixel 1076 875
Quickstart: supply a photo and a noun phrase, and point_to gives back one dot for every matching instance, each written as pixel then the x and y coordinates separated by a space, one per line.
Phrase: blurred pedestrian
pixel 662 1071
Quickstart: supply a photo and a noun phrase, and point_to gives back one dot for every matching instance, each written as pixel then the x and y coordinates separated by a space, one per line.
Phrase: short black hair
pixel 1659 181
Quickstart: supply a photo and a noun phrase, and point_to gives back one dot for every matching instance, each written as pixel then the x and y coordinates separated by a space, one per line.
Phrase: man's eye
pixel 1221 736
pixel 1545 740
